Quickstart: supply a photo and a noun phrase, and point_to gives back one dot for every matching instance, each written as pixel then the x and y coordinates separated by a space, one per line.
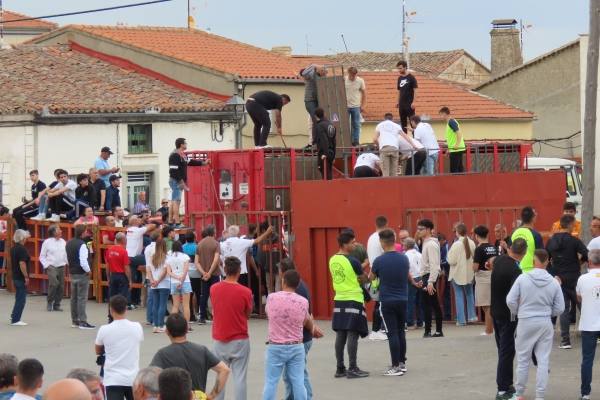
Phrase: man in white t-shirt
pixel 368 165
pixel 387 135
pixel 62 196
pixel 594 244
pixel 424 133
pixel 234 246
pixel 135 248
pixel 414 306
pixel 119 342
pixel 356 97
pixel 374 250
pixel 588 293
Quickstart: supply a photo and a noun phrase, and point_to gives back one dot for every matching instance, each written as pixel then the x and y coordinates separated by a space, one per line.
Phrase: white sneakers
pixel 19 323
pixel 54 218
pixel 378 335
pixel 39 217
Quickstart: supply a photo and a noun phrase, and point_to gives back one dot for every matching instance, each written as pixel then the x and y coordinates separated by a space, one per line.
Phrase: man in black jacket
pixel 325 138
pixel 79 269
pixel 566 254
pixel 504 273
pixel 178 163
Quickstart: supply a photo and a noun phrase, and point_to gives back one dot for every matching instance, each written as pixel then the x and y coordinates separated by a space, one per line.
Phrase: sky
pixel 316 26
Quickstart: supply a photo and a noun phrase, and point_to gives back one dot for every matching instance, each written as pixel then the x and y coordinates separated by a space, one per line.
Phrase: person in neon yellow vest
pixel 454 140
pixel 349 317
pixel 527 232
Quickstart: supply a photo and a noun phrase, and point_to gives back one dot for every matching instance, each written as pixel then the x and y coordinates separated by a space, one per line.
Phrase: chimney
pixel 282 50
pixel 506 45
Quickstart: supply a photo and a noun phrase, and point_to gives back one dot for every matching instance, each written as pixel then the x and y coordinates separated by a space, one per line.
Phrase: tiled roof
pixel 429 62
pixel 202 49
pixel 66 81
pixel 32 24
pixel 433 94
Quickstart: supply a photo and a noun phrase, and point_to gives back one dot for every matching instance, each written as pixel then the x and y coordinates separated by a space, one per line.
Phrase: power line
pixel 87 11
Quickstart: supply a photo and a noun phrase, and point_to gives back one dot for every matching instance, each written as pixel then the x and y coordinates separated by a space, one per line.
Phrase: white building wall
pixel 76 147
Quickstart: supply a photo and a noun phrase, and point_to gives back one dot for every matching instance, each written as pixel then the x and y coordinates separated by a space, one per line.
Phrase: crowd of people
pixel 522 285
pixel 410 147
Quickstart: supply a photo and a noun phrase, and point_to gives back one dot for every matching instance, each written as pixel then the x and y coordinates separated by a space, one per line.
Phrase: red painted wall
pixel 320 209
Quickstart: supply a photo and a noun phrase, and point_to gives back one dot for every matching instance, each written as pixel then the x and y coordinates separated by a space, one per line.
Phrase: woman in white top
pixel 460 258
pixel 178 264
pixel 160 283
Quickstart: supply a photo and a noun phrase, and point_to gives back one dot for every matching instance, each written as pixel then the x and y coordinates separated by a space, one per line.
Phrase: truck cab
pixel 572 175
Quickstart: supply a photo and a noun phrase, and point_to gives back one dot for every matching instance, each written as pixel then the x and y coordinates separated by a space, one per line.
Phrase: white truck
pixel 572 174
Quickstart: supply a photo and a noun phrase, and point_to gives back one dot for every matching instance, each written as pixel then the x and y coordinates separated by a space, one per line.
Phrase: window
pixel 138 182
pixel 139 139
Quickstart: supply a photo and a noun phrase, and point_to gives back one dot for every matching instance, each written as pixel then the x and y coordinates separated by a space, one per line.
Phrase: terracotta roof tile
pixel 431 96
pixel 36 23
pixel 429 62
pixel 33 77
pixel 203 49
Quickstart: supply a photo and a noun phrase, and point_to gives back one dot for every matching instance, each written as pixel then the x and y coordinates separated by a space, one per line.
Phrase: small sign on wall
pixel 226 191
pixel 244 188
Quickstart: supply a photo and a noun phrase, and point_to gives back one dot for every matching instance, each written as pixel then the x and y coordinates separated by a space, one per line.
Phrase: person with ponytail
pixel 460 258
pixel 160 283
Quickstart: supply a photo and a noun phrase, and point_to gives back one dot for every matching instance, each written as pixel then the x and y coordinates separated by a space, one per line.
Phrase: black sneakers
pixel 340 372
pixel 85 325
pixel 565 344
pixel 437 334
pixel 356 372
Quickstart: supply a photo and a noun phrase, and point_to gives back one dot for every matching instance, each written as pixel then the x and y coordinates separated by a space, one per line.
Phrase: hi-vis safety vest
pixel 345 281
pixel 526 263
pixel 452 138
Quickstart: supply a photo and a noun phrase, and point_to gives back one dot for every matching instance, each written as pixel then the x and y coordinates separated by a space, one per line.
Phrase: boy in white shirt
pixel 414 304
pixel 120 342
pixel 588 293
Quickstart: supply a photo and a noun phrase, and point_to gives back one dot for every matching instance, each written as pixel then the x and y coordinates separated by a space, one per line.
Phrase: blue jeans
pixel 20 298
pixel 354 124
pixel 291 358
pixel 430 164
pixel 588 352
pixel 160 297
pixel 459 297
pixel 289 395
pixel 415 303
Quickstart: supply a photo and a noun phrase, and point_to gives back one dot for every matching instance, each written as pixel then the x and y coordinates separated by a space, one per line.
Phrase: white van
pixel 572 173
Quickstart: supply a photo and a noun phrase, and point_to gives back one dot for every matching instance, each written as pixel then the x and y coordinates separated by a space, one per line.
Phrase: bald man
pixel 67 389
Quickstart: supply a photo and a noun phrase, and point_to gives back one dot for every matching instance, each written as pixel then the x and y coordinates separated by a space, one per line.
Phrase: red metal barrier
pixel 321 209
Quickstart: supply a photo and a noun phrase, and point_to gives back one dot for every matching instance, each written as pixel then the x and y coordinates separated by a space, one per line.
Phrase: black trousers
pixel 394 319
pixel 262 122
pixel 504 332
pixel 431 304
pixel 197 293
pixel 341 339
pixel 329 167
pixel 417 160
pixel 376 317
pixel 364 172
pixel 456 162
pixel 119 393
pixel 136 277
pixel 405 113
pixel 22 212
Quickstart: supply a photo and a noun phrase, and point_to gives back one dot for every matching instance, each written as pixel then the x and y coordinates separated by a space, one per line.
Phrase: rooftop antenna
pixel 406 15
pixel 524 28
pixel 307 44
pixel 345 45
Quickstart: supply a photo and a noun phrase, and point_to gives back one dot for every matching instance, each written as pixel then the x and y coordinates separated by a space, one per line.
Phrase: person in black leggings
pixel 258 106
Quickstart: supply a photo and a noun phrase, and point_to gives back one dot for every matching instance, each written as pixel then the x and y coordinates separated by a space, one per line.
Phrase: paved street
pixel 460 366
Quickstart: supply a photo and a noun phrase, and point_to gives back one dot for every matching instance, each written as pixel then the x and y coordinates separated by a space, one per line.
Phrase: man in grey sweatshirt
pixel 534 299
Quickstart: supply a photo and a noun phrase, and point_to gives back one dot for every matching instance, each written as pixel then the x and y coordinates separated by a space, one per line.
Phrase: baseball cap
pixel 114 178
pixel 106 149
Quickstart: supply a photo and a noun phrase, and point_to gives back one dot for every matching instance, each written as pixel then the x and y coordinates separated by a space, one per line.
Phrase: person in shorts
pixel 178 264
pixel 482 265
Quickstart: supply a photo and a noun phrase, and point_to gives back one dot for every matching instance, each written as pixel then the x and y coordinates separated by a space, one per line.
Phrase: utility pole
pixel 404 38
pixel 589 123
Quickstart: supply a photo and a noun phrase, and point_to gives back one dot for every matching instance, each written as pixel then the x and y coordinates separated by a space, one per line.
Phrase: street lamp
pixel 238 105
